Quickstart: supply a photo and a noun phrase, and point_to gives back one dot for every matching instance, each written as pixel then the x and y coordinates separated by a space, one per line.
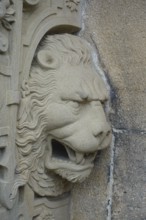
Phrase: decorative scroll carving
pixel 45 214
pixel 45 18
pixel 6 19
pixel 61 122
pixel 72 4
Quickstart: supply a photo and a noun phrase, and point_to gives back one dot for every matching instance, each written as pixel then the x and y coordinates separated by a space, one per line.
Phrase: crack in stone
pixel 125 130
pixel 111 180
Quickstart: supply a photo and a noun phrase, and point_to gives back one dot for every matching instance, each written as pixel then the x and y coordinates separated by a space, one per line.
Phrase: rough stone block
pixel 129 191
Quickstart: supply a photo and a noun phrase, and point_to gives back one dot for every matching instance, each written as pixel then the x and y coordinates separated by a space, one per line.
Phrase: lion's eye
pixel 75 104
pixel 96 103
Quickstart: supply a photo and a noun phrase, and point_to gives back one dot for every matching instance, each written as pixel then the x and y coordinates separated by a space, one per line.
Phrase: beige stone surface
pixel 117 31
pixel 89 199
pixel 129 191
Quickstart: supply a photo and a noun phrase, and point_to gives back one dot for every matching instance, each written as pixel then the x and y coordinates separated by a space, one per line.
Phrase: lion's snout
pixel 102 134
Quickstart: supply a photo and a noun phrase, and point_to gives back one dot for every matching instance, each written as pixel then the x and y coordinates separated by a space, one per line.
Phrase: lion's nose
pixel 102 131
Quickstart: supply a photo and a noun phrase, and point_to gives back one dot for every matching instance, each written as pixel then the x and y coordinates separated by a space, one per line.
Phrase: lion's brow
pixel 94 89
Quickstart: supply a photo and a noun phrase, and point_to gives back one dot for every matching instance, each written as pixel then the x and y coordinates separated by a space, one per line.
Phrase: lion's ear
pixel 47 60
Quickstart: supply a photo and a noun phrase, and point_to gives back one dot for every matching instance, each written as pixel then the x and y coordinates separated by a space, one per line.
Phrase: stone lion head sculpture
pixel 61 121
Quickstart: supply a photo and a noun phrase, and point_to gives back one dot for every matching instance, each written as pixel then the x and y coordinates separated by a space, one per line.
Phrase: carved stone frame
pixel 23 24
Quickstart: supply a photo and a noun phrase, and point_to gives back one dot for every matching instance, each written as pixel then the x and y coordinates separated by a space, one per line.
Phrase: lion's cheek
pixel 58 115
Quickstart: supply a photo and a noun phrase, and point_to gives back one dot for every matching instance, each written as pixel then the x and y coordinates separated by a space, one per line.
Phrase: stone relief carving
pixel 32 22
pixel 61 121
pixel 59 127
pixel 6 19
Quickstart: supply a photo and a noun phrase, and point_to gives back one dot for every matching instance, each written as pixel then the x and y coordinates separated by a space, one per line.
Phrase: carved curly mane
pixel 36 94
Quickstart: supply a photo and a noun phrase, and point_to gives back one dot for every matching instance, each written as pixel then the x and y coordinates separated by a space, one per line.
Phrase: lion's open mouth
pixel 68 163
pixel 64 152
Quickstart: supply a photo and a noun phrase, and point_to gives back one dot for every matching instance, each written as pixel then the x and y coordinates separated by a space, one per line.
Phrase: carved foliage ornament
pixel 6 19
pixel 61 121
pixel 72 4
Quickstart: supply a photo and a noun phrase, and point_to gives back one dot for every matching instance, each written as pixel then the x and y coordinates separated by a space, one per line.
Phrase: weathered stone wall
pixel 116 189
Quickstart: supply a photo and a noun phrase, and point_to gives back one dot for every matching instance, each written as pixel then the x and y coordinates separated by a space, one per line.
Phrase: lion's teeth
pixel 49 149
pixel 71 154
pixel 83 161
pixel 79 157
